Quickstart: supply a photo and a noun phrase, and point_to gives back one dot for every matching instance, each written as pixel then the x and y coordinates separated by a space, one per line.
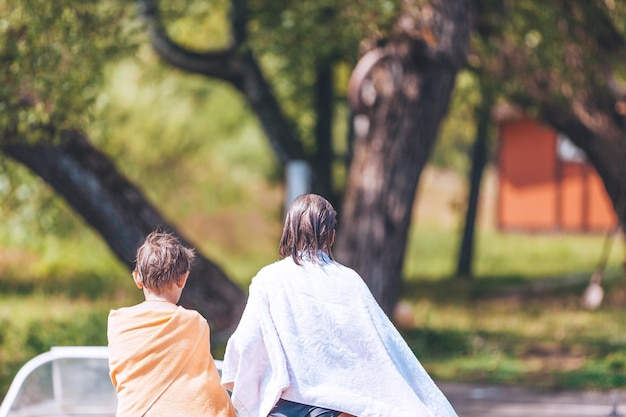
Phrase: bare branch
pixel 224 64
pixel 236 65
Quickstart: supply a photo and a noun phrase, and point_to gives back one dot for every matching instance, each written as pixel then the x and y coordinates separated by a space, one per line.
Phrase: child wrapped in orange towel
pixel 160 359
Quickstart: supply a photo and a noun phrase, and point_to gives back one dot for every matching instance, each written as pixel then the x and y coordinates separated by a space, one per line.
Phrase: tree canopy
pixel 53 58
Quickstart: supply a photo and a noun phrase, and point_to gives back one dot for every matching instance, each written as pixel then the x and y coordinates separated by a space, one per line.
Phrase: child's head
pixel 309 228
pixel 162 261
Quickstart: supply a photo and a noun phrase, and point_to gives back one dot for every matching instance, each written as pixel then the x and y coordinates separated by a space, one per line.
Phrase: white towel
pixel 314 334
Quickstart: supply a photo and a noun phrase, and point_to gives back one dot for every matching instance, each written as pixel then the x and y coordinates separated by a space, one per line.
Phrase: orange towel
pixel 161 366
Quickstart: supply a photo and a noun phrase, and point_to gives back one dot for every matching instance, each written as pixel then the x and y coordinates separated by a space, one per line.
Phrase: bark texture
pixel 399 94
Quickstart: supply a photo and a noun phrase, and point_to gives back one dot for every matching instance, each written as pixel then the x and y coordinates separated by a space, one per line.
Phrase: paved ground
pixel 492 401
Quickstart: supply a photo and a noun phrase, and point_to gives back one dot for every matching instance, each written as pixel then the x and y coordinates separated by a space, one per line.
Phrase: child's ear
pixel 183 280
pixel 137 279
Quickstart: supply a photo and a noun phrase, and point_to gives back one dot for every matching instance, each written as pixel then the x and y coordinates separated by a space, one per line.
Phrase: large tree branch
pixel 602 139
pixel 235 65
pixel 223 64
pixel 120 213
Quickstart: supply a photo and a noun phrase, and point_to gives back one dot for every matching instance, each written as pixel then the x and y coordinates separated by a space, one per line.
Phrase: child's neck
pixel 159 301
pixel 166 296
pixel 157 304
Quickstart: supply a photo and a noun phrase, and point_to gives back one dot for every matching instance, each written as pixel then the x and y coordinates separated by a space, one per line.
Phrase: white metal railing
pixel 66 381
pixel 63 382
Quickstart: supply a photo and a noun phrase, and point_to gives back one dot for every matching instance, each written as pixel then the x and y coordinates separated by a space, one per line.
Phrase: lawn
pixel 519 320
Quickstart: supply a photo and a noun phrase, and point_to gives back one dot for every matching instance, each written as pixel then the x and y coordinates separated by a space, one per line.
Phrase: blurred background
pixel 475 157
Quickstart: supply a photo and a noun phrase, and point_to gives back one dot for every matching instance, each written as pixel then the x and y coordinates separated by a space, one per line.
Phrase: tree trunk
pixel 399 94
pixel 582 98
pixel 324 110
pixel 479 159
pixel 113 206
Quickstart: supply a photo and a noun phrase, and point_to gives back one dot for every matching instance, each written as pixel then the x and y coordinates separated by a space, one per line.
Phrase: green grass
pixel 499 342
pixel 31 324
pixel 432 253
pixel 516 331
pixel 519 320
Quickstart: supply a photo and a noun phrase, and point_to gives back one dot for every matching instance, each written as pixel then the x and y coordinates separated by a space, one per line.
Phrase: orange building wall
pixel 527 198
pixel 539 192
pixel 572 195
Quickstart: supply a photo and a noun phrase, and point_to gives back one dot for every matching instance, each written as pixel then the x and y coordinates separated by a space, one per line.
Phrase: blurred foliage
pixel 556 42
pixel 195 151
pixel 61 324
pixel 151 119
pixel 457 133
pixel 65 53
pixel 198 25
pixel 29 208
pixel 291 40
pixel 308 32
pixel 52 56
pixel 294 38
pixel 562 48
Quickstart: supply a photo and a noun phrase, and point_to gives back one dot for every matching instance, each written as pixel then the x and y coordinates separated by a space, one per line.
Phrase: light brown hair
pixel 309 228
pixel 162 260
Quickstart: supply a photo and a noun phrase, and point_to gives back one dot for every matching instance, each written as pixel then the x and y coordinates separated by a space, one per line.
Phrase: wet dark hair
pixel 162 260
pixel 309 228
